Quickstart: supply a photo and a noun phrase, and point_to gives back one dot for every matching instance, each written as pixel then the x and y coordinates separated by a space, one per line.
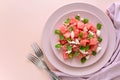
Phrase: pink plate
pixel 80 71
pixel 75 62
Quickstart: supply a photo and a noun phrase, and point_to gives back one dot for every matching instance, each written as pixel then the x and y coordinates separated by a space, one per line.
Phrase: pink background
pixel 21 23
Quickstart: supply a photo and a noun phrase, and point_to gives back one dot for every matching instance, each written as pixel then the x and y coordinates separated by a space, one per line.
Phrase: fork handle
pixel 52 74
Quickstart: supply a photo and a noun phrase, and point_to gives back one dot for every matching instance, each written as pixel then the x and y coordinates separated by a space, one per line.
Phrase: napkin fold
pixel 111 71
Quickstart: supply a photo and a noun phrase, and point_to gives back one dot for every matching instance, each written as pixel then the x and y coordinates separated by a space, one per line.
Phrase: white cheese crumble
pixel 68 52
pixel 98 32
pixel 72 34
pixel 78 14
pixel 87 57
pixel 83 52
pixel 85 29
pixel 77 41
pixel 98 49
pixel 72 42
pixel 99 45
pixel 91 32
pixel 82 19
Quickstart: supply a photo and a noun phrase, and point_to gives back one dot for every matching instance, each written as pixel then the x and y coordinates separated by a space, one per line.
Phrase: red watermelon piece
pixel 63 29
pixel 80 25
pixel 67 34
pixel 84 42
pixel 93 41
pixel 65 55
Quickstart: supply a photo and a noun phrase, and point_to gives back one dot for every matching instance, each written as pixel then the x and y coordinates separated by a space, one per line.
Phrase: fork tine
pixel 37 46
pixel 33 59
pixel 34 48
pixel 37 49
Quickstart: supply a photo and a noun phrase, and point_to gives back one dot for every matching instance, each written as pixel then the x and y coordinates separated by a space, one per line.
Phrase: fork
pixel 39 54
pixel 37 50
pixel 35 61
pixel 41 65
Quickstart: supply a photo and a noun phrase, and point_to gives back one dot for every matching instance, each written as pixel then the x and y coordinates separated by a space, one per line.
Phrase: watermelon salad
pixel 79 38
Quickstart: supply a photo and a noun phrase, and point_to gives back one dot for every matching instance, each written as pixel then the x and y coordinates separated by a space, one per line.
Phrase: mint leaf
pixel 87 47
pixel 77 53
pixel 67 21
pixel 57 31
pixel 85 20
pixel 94 53
pixel 99 26
pixel 71 55
pixel 80 34
pixel 68 39
pixel 58 46
pixel 69 48
pixel 61 37
pixel 82 48
pixel 90 36
pixel 77 17
pixel 70 29
pixel 99 39
pixel 83 60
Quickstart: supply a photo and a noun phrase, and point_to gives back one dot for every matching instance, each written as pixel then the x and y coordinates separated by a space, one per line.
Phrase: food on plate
pixel 79 38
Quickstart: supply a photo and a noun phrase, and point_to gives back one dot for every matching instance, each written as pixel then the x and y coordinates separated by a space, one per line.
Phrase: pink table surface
pixel 21 23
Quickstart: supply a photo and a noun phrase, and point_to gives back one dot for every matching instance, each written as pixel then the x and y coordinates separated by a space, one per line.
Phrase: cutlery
pixel 41 65
pixel 39 54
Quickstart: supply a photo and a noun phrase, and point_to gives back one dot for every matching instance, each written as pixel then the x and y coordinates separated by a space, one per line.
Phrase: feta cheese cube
pixel 98 32
pixel 68 52
pixel 82 19
pixel 77 41
pixel 72 42
pixel 98 49
pixel 83 52
pixel 72 34
pixel 91 32
pixel 85 29
pixel 87 57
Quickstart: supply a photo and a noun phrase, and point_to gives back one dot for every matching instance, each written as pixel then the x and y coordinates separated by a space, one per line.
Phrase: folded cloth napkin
pixel 111 71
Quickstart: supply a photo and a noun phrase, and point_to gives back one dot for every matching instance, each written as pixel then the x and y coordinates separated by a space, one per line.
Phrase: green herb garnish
pixel 61 37
pixel 57 31
pixel 70 29
pixel 85 20
pixel 87 47
pixel 77 53
pixel 90 36
pixel 82 48
pixel 67 21
pixel 80 34
pixel 77 17
pixel 94 53
pixel 68 39
pixel 58 46
pixel 69 48
pixel 99 26
pixel 99 39
pixel 71 55
pixel 83 60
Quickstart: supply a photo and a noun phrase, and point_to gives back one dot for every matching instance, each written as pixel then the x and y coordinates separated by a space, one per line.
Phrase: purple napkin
pixel 111 71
